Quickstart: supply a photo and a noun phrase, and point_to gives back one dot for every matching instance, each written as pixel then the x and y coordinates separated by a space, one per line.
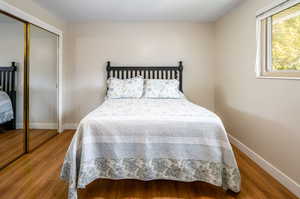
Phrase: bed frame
pixel 7 83
pixel 148 72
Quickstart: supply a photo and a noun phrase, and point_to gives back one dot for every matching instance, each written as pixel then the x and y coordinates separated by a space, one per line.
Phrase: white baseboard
pixel 286 181
pixel 39 125
pixel 70 126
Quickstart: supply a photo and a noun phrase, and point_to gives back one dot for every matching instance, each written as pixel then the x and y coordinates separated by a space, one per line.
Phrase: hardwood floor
pixel 12 143
pixel 36 176
pixel 39 136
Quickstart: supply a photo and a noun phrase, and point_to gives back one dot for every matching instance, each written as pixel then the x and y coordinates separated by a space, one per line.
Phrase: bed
pixel 8 97
pixel 149 139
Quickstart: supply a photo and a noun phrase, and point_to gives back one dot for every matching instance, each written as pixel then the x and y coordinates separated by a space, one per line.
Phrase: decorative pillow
pixel 159 88
pixel 125 88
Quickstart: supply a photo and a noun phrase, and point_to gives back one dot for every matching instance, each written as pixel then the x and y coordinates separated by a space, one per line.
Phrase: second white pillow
pixel 160 88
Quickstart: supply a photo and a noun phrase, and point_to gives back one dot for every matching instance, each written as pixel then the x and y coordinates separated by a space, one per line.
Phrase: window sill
pixel 277 77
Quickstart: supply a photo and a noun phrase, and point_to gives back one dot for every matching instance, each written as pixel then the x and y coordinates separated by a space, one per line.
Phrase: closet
pixel 28 87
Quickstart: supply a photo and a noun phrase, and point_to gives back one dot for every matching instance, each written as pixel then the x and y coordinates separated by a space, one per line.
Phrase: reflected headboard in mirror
pixel 7 85
pixel 148 72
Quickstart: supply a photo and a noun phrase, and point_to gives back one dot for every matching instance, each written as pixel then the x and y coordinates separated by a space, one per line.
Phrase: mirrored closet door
pixel 43 95
pixel 29 62
pixel 12 132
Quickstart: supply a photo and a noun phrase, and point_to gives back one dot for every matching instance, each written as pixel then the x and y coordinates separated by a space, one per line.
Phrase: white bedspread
pixel 150 139
pixel 6 109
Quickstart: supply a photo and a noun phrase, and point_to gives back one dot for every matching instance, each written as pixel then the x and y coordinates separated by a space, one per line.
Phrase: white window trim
pixel 296 14
pixel 36 21
pixel 269 44
pixel 260 15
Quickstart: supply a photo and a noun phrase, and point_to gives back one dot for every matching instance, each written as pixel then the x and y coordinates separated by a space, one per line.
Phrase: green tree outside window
pixel 286 39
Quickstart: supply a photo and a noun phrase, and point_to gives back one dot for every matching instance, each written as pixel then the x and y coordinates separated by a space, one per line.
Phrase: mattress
pixel 148 139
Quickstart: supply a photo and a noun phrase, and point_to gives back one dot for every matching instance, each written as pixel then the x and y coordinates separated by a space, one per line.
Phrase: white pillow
pixel 159 88
pixel 125 88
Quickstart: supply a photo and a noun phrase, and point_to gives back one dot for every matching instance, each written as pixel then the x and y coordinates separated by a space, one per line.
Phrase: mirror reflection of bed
pixel 11 136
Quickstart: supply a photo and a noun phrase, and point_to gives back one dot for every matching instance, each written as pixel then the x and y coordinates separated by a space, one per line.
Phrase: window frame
pixel 264 42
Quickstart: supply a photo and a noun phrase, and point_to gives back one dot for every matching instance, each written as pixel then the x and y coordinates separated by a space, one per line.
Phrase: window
pixel 278 36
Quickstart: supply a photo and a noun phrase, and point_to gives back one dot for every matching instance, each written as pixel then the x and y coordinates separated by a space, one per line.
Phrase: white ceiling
pixel 139 10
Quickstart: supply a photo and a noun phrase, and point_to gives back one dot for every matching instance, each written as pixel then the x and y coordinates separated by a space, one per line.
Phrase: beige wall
pixel 139 44
pixel 264 114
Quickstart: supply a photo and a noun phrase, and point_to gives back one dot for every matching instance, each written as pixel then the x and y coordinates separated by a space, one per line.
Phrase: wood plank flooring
pixel 11 146
pixel 12 143
pixel 36 176
pixel 39 136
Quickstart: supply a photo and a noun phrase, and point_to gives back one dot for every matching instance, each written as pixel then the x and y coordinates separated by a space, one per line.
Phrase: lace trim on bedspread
pixel 169 169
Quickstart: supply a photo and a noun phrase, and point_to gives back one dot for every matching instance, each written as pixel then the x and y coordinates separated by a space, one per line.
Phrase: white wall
pixel 139 44
pixel 263 114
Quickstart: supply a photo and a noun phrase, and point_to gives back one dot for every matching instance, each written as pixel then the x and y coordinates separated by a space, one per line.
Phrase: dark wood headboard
pixel 148 72
pixel 7 84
